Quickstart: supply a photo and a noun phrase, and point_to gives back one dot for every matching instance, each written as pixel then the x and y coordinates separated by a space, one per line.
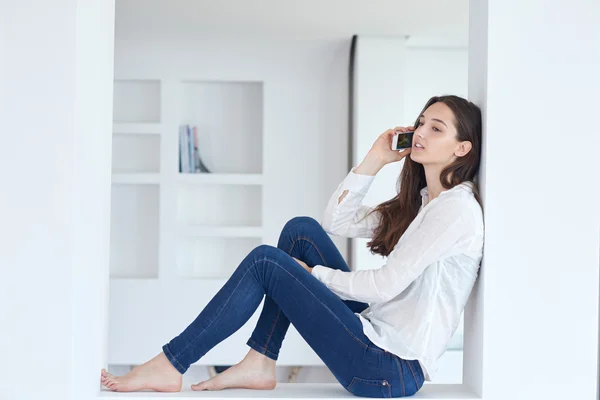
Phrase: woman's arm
pixel 367 167
pixel 345 215
pixel 434 239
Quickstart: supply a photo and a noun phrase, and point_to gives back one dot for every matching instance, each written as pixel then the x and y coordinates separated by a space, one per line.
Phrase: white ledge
pixel 322 391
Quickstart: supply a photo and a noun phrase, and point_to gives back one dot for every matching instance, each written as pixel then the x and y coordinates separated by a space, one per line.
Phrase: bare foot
pixel 157 374
pixel 255 371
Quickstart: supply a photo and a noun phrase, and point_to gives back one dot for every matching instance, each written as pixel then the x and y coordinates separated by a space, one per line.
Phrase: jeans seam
pixel 170 356
pixel 352 382
pixel 311 242
pixel 413 373
pixel 273 328
pixel 365 345
pixel 263 348
pixel 400 375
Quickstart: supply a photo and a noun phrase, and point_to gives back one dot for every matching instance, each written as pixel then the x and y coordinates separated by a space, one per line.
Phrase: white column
pixel 37 94
pixel 55 131
pixel 534 69
pixel 94 61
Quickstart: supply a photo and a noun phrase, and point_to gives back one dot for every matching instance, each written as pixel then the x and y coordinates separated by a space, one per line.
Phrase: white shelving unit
pixel 177 237
pixel 217 210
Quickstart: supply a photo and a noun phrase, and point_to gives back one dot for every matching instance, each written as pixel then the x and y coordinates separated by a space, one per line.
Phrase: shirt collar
pixel 465 185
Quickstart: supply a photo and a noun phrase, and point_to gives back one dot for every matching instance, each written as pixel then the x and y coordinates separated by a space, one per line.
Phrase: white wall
pixel 36 160
pixel 91 203
pixel 538 86
pixel 43 52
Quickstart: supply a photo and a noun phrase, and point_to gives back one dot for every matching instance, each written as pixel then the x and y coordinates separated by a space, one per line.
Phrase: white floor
pixel 195 374
pixel 450 372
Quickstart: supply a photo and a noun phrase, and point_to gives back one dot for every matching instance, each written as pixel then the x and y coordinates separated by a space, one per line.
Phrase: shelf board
pixel 220 179
pixel 137 128
pixel 221 231
pixel 140 178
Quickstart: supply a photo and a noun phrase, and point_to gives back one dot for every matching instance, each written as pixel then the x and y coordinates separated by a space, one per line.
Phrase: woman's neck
pixel 434 185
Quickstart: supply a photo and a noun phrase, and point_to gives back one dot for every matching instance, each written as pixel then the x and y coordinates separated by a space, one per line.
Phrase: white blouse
pixel 417 297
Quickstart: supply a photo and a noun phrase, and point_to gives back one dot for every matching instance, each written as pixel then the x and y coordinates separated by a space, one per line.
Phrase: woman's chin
pixel 416 157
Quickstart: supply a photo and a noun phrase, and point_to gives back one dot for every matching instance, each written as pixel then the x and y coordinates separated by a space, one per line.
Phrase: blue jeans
pixel 327 323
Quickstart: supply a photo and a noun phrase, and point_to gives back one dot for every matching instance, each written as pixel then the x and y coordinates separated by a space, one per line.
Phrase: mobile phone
pixel 402 140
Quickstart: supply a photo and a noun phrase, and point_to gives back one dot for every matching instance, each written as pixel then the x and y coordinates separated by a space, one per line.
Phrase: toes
pixel 199 386
pixel 109 382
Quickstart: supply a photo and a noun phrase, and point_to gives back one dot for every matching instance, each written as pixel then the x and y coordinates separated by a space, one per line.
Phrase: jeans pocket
pixel 370 387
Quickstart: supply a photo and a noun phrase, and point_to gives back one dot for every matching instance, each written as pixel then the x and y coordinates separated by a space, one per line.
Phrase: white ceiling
pixel 298 18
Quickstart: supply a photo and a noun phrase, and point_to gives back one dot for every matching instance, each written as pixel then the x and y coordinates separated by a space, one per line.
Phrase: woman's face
pixel 437 134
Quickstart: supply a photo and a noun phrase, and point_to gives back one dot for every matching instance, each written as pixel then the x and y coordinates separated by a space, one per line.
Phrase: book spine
pixel 196 152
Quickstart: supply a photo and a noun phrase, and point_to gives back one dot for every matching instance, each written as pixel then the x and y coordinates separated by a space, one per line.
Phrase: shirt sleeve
pixel 349 218
pixel 434 239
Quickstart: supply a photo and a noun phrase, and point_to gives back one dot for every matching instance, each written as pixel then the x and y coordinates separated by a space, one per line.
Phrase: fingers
pixel 403 153
pixel 388 133
pixel 404 129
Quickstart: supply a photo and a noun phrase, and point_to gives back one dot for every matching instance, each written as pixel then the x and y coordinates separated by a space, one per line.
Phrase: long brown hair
pixel 396 214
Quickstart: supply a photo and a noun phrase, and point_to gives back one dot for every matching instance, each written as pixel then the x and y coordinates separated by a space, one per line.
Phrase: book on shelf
pixel 189 153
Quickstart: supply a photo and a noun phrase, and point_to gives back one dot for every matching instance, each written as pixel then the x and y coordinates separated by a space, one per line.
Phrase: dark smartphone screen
pixel 404 140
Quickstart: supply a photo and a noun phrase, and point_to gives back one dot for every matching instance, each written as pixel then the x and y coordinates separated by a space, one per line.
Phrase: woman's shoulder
pixel 462 199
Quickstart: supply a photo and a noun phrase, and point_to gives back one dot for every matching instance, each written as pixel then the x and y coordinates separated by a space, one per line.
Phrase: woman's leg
pixel 323 320
pixel 304 239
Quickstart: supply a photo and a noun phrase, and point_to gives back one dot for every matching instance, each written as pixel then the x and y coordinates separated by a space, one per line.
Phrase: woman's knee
pixel 265 252
pixel 296 222
pixel 261 251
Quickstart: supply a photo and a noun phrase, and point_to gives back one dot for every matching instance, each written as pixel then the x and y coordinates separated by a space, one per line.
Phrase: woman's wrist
pixel 369 166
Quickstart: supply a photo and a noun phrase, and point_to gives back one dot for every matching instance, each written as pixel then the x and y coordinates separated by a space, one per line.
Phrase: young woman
pixel 379 331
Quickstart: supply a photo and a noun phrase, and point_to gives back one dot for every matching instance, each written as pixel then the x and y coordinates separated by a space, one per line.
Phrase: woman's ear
pixel 463 148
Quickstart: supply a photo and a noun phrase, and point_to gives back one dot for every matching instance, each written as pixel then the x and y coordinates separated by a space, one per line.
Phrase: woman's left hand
pixel 306 267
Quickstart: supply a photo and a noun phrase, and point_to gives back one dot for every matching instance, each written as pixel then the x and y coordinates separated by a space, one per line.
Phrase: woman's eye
pixel 436 129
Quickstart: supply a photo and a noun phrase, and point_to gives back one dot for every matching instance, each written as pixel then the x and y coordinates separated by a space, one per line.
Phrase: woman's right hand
pixel 381 152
